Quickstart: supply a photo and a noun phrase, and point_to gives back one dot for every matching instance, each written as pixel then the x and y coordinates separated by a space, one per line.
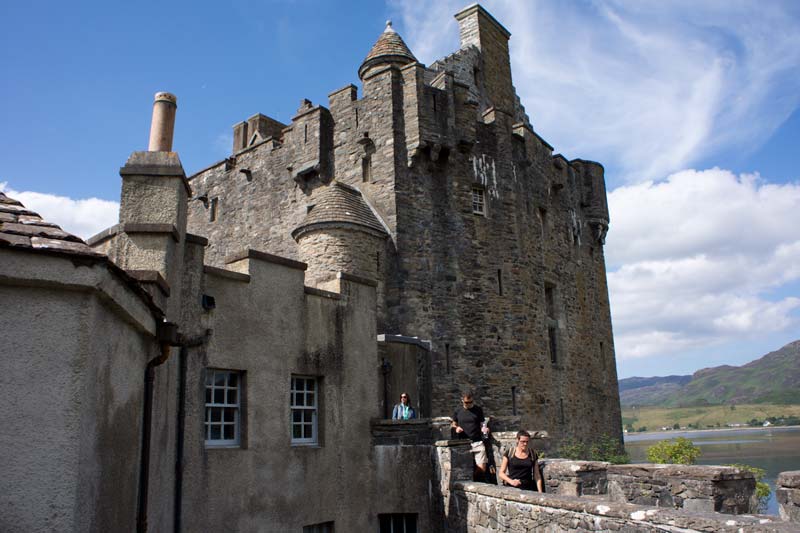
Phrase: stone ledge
pixel 324 294
pixel 196 239
pixel 403 339
pixel 356 279
pixel 151 276
pixel 263 256
pixel 789 480
pixel 131 227
pixel 230 274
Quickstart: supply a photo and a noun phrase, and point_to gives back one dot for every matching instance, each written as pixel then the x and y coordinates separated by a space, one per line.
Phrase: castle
pixel 435 185
pixel 222 358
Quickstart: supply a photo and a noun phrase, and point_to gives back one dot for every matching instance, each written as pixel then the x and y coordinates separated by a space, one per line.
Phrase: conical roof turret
pixel 388 49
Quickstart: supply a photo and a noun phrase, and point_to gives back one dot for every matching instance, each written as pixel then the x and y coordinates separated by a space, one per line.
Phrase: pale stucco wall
pixel 75 345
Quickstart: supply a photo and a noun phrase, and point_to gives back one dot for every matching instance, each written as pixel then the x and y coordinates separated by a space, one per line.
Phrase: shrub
pixel 604 448
pixel 678 451
pixel 762 489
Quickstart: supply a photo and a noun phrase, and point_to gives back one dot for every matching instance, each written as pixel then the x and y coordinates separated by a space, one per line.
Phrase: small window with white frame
pixel 303 402
pixel 223 407
pixel 397 523
pixel 478 200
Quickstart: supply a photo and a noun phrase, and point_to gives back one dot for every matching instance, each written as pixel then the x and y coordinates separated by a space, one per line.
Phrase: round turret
pixel 389 49
pixel 340 233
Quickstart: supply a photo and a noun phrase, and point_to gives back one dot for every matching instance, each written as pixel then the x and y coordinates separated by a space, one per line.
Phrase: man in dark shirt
pixel 468 422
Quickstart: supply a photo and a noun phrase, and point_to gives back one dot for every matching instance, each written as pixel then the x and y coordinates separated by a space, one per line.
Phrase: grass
pixel 654 418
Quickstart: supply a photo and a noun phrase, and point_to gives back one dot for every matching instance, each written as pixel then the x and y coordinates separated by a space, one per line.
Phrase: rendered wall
pixel 72 381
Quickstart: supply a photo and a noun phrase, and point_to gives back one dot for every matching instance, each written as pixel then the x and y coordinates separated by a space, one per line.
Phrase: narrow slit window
pixel 212 210
pixel 447 357
pixel 543 221
pixel 500 281
pixel 366 169
pixel 552 341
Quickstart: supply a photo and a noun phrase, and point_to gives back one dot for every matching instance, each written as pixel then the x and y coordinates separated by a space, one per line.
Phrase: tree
pixel 678 451
pixel 676 426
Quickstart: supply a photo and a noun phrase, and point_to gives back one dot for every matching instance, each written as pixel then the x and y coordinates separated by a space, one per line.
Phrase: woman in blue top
pixel 403 410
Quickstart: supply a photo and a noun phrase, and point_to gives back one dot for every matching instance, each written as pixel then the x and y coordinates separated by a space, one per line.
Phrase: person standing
pixel 469 422
pixel 403 410
pixel 520 467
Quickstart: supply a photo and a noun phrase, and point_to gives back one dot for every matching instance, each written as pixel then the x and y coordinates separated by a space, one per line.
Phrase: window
pixel 366 169
pixel 543 221
pixel 303 401
pixel 223 412
pixel 478 201
pixel 397 523
pixel 212 210
pixel 324 527
pixel 552 322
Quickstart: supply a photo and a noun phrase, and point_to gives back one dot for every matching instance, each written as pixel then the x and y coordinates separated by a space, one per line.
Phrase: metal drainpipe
pixel 181 426
pixel 144 462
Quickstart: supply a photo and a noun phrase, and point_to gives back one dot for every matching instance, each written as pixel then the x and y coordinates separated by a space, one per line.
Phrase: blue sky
pixel 693 108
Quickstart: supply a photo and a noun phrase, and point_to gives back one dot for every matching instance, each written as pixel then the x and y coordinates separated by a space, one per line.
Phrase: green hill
pixel 774 378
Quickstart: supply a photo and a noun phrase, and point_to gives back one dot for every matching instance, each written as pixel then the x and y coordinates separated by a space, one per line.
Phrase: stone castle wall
pixel 416 144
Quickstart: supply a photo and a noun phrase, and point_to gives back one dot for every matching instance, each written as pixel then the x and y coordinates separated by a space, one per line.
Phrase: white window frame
pixel 305 402
pixel 403 527
pixel 478 200
pixel 226 412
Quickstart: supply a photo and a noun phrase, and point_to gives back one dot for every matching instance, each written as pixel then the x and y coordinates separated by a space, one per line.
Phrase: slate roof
pixel 23 228
pixel 339 204
pixel 389 48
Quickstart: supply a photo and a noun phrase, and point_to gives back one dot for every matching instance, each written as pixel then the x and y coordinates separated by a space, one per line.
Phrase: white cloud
pixel 697 260
pixel 645 87
pixel 83 217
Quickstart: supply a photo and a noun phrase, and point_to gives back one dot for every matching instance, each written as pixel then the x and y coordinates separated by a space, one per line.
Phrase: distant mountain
pixel 774 378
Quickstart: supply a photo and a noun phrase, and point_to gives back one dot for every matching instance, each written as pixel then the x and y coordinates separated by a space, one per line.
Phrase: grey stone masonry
pixel 787 493
pixel 494 245
pixel 481 508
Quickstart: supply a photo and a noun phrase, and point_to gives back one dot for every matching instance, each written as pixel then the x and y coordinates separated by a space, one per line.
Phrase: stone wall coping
pixel 404 339
pixel 348 87
pixel 249 253
pixel 659 471
pixel 535 434
pixel 454 443
pixel 134 227
pixel 672 519
pixel 345 276
pixel 477 8
pixel 196 239
pixel 390 422
pixel 222 273
pixel 151 276
pixel 789 480
pixel 321 293
pixel 566 466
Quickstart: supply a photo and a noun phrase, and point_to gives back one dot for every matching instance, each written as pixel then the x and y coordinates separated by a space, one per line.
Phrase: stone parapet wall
pixel 574 478
pixel 788 495
pixel 401 432
pixel 723 489
pixel 480 508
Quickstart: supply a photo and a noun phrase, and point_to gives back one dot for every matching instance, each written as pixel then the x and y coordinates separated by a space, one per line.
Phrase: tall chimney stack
pixel 163 125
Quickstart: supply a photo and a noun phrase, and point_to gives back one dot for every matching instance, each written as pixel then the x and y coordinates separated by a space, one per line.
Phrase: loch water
pixel 775 449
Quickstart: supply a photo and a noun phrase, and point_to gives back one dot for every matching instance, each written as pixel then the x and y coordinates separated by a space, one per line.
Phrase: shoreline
pixel 706 430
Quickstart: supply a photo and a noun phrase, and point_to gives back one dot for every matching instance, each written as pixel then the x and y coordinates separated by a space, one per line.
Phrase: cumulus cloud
pixel 645 87
pixel 701 259
pixel 82 217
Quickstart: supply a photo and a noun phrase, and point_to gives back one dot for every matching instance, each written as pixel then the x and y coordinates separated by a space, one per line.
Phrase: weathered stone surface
pixel 787 493
pixel 492 290
pixel 486 508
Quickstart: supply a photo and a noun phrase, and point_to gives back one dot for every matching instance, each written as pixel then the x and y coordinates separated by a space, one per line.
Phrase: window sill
pixel 224 447
pixel 306 445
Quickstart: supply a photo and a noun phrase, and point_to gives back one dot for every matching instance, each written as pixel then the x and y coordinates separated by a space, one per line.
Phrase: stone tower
pixel 481 239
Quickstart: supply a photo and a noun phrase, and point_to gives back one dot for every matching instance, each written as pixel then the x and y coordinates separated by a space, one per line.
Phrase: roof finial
pixel 388 27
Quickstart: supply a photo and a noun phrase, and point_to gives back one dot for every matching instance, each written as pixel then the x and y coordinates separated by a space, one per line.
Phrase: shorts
pixel 479 450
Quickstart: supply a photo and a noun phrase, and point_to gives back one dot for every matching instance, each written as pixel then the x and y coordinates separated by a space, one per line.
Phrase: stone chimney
pixel 148 242
pixel 162 127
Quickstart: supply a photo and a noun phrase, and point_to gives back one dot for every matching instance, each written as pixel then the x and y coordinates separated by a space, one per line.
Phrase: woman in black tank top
pixel 519 469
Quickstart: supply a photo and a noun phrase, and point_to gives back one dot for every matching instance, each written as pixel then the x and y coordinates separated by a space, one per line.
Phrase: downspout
pixel 181 426
pixel 166 333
